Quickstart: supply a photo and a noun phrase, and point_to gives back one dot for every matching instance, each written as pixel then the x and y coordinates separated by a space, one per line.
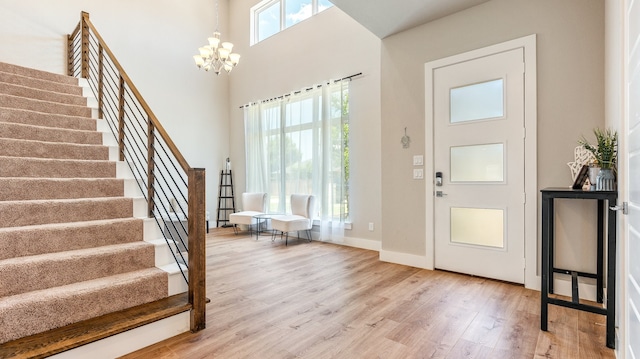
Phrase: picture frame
pixel 581 177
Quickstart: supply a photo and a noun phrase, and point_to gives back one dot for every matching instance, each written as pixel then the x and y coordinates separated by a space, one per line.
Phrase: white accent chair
pixel 300 219
pixel 253 204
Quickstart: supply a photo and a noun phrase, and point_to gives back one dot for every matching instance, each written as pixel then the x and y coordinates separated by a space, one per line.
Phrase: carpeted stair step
pixel 54 168
pixel 51 238
pixel 38 74
pixel 43 95
pixel 25 188
pixel 49 134
pixel 26 274
pixel 35 312
pixel 24 103
pixel 36 83
pixel 39 149
pixel 28 213
pixel 34 118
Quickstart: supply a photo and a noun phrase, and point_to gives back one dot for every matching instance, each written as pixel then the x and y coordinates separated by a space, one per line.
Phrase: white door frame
pixel 528 43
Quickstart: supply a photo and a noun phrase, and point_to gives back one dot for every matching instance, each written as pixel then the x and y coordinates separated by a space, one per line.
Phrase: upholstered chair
pixel 300 219
pixel 253 204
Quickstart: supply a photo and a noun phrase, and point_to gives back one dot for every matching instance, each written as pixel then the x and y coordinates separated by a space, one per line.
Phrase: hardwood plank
pixel 319 300
pixel 561 340
pixel 591 335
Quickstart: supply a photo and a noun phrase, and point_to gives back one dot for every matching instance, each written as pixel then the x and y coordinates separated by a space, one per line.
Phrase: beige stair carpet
pixel 70 248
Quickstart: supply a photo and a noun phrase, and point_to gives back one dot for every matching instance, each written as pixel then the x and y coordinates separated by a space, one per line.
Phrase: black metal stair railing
pixel 174 191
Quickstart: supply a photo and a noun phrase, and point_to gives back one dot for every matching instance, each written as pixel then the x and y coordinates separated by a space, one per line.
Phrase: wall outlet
pixel 371 226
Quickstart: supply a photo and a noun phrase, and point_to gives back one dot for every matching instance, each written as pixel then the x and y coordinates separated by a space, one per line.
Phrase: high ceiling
pixel 387 17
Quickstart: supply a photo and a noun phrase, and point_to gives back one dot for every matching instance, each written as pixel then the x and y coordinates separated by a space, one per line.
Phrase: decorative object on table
pixel 581 178
pixel 582 157
pixel 405 139
pixel 605 152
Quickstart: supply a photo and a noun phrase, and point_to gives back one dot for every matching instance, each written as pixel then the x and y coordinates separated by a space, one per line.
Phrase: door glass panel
pixel 477 163
pixel 479 101
pixel 478 226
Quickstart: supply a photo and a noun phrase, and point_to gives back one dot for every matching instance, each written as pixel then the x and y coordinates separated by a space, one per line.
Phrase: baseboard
pixel 586 291
pixel 406 259
pixel 132 340
pixel 361 243
pixel 410 260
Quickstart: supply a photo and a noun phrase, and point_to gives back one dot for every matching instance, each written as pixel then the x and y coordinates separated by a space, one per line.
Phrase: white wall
pixel 327 46
pixel 154 41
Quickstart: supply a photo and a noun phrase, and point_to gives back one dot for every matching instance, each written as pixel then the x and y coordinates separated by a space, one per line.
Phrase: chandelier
pixel 217 55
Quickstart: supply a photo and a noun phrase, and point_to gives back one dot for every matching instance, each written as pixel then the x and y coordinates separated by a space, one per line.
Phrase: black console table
pixel 606 199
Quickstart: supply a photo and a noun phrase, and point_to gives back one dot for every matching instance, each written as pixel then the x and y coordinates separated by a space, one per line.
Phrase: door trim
pixel 528 44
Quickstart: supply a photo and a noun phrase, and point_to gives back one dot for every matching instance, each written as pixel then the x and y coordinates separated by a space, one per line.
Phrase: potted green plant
pixel 605 152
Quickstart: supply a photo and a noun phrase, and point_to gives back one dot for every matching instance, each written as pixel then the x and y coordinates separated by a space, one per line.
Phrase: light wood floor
pixel 318 300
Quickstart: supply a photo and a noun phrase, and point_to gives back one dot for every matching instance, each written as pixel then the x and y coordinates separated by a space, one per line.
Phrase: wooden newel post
pixel 197 248
pixel 85 44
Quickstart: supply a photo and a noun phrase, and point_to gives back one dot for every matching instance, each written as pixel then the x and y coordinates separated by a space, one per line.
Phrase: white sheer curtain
pixel 299 144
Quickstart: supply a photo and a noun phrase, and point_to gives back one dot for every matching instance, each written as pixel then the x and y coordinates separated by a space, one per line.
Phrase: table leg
pixel 546 227
pixel 600 252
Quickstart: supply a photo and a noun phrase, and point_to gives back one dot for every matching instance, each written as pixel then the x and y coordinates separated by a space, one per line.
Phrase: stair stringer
pixel 131 340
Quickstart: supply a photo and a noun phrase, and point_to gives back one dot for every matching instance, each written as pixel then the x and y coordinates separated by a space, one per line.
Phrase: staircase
pixel 72 245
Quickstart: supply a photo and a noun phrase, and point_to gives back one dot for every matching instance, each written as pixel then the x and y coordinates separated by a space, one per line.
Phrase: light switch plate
pixel 418 173
pixel 418 160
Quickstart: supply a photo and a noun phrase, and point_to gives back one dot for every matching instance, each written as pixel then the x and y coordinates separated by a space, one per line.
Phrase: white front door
pixel 478 137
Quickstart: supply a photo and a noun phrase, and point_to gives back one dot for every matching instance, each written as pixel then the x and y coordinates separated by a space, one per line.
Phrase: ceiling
pixel 388 17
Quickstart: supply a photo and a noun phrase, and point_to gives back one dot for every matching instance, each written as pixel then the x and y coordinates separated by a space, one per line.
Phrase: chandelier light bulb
pixel 223 53
pixel 227 45
pixel 214 42
pixel 234 58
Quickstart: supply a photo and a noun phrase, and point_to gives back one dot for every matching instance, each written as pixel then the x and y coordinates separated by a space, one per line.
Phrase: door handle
pixel 624 208
pixel 440 194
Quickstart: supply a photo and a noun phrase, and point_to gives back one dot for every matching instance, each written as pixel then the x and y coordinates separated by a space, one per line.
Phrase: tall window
pixel 272 16
pixel 300 144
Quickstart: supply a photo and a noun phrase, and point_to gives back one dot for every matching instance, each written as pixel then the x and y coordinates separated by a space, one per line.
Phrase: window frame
pixel 266 4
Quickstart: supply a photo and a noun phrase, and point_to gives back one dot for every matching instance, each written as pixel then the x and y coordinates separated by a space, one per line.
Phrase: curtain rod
pixel 299 91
